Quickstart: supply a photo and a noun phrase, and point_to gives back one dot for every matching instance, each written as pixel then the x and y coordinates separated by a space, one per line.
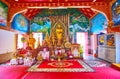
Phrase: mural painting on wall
pixel 99 23
pixel 40 24
pixel 116 13
pixel 3 14
pixel 78 23
pixel 20 23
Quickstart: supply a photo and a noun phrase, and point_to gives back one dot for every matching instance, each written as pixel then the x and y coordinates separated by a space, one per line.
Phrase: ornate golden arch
pixel 58 27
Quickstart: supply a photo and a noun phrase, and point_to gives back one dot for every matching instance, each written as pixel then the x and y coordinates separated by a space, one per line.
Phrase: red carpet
pixel 101 73
pixel 12 72
pixel 67 64
pixel 62 66
pixel 20 72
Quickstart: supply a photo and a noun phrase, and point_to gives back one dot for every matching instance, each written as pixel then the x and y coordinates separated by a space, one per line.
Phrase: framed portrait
pixel 75 50
pixel 102 39
pixel 110 40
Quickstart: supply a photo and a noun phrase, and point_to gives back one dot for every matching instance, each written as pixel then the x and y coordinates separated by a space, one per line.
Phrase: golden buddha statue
pixel 31 41
pixel 39 56
pixel 59 34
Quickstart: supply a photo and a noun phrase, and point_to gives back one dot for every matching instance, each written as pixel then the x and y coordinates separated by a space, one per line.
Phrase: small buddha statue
pixel 39 57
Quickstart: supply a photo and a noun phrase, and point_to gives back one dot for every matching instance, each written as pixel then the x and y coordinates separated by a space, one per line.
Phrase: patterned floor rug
pixel 62 66
pixel 95 63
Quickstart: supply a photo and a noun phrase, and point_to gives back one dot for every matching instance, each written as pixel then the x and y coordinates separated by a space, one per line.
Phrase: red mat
pixel 62 66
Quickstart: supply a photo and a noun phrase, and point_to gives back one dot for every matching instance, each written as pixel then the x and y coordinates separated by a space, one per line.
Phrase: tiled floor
pixel 96 61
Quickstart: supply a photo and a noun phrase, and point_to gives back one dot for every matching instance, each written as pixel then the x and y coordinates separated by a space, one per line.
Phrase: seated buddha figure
pixel 59 35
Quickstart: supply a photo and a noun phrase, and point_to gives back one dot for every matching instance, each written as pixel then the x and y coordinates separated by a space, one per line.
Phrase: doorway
pixel 82 39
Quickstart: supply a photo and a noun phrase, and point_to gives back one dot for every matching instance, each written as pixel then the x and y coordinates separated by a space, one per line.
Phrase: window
pixel 19 42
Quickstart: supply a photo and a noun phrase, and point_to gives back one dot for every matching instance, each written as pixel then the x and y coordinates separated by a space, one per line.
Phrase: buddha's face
pixel 59 27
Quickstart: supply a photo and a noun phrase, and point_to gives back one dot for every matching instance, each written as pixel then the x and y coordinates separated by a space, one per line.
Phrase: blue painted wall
pixel 99 23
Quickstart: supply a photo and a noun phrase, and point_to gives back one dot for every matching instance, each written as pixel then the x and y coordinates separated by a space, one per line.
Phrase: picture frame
pixel 110 40
pixel 75 50
pixel 102 40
